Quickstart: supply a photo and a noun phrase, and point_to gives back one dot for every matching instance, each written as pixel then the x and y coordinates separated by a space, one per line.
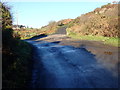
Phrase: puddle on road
pixel 104 54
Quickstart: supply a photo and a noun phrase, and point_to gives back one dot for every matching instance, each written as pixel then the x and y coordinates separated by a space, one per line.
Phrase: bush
pixel 15 54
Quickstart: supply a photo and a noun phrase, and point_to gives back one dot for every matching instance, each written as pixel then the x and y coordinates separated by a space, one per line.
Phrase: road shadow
pixel 56 42
pixel 37 37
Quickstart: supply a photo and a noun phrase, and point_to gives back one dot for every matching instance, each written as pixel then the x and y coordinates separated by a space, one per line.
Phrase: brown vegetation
pixel 102 22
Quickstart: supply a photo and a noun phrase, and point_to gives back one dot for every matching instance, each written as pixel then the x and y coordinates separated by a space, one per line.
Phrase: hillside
pixel 101 22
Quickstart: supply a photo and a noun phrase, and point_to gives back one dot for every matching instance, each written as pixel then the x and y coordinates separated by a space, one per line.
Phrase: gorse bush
pixel 100 22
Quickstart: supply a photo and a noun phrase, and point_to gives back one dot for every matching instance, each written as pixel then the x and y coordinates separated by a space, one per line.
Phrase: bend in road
pixel 57 66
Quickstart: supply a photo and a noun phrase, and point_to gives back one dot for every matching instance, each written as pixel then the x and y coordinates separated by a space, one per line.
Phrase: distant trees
pixel 18 27
pixel 22 26
pixel 51 25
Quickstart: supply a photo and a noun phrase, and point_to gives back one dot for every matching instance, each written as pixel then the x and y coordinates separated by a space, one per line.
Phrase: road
pixel 66 66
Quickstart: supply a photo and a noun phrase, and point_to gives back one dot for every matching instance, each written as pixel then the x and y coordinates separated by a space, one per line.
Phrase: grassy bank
pixel 16 65
pixel 106 40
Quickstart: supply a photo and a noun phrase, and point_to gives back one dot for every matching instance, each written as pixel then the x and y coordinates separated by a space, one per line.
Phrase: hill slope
pixel 102 22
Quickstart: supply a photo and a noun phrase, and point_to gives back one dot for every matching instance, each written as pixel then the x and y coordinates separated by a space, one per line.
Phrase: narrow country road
pixel 66 66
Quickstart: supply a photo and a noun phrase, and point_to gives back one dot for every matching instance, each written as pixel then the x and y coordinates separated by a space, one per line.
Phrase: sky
pixel 38 14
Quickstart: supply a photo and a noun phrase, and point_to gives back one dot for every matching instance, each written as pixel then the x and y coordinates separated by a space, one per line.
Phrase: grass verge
pixel 106 40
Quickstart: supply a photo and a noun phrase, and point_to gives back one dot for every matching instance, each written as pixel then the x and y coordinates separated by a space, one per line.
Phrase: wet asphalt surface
pixel 64 66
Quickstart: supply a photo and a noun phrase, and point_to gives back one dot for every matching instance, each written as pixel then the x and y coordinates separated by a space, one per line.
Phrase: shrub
pixel 15 54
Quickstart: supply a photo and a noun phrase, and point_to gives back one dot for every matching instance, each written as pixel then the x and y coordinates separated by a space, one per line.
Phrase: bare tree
pixel 52 24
